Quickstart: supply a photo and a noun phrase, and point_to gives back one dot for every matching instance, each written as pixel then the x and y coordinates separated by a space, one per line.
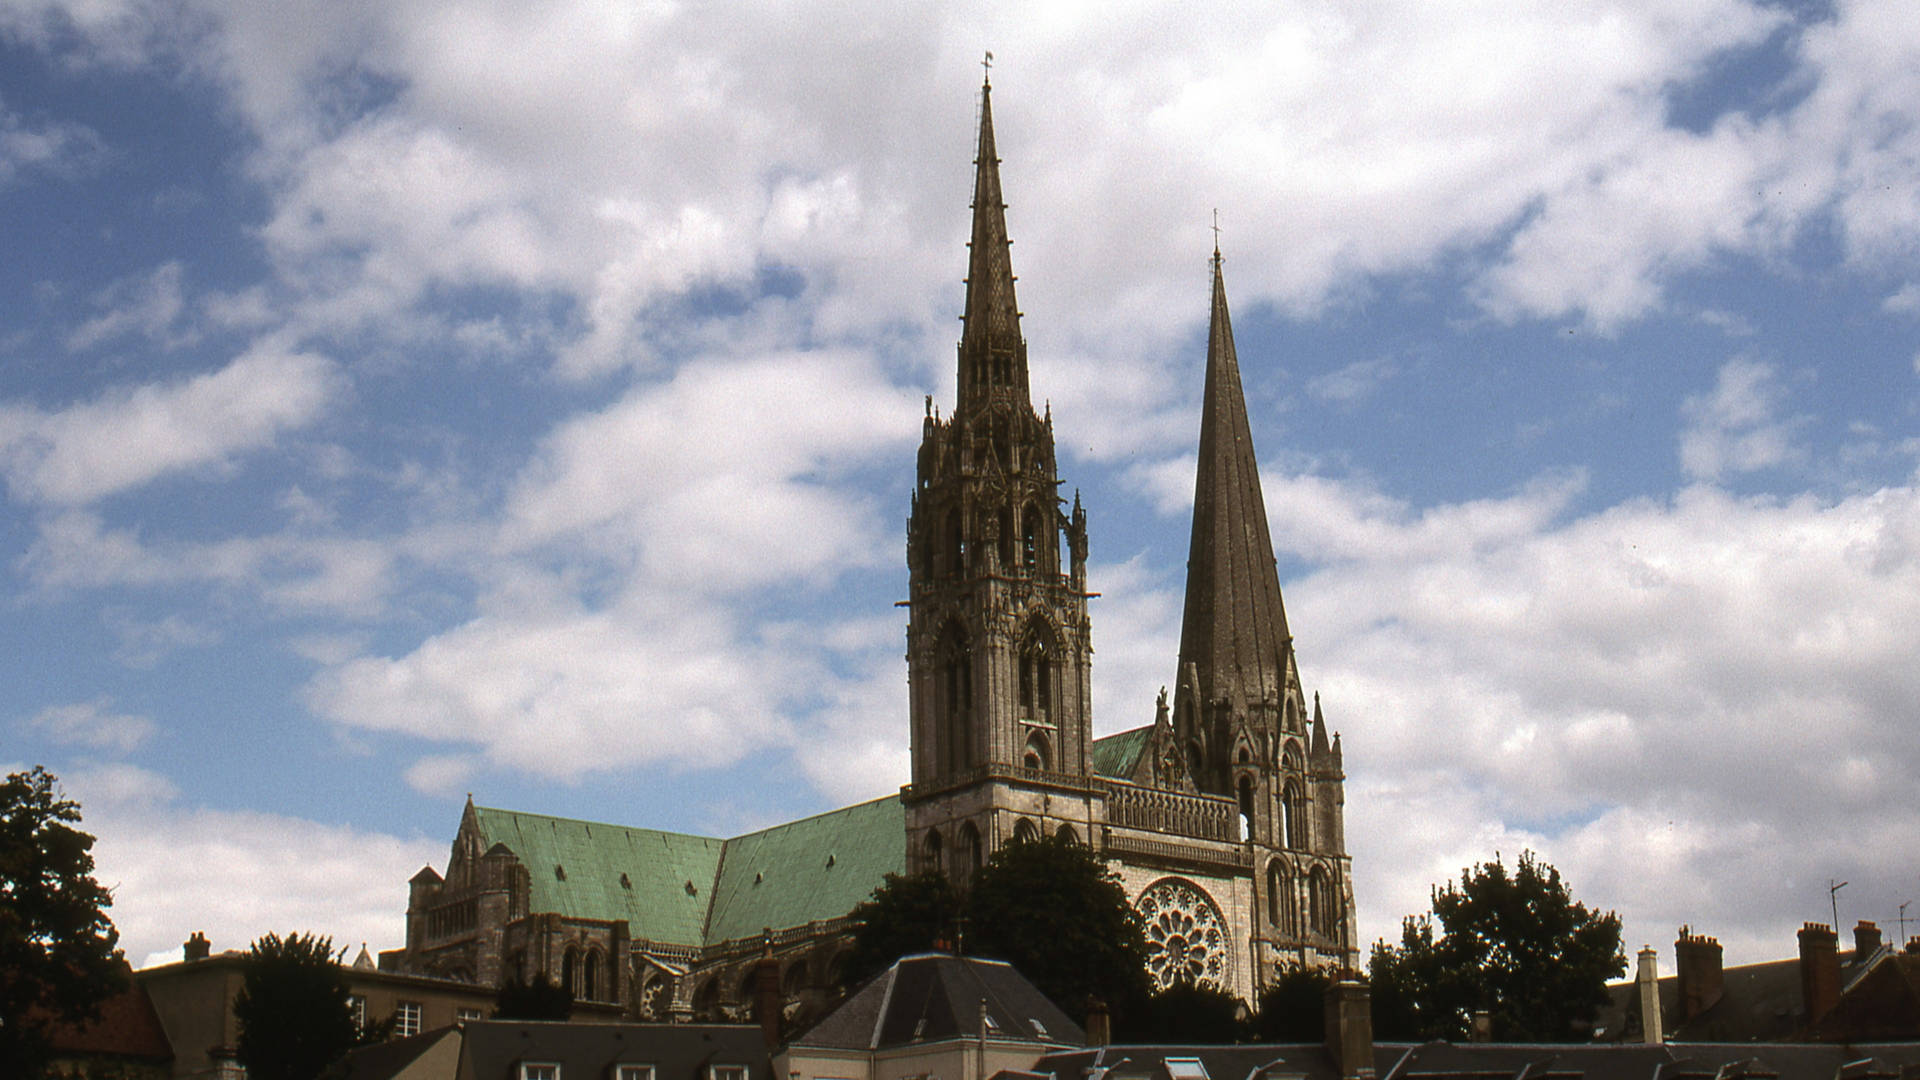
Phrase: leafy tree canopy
pixel 58 955
pixel 1514 945
pixel 541 998
pixel 1188 1012
pixel 292 1008
pixel 908 913
pixel 1048 906
pixel 1293 1009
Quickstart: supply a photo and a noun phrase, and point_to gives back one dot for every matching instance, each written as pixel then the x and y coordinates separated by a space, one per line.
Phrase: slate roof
pixel 691 890
pixel 1493 1061
pixel 1117 755
pixel 492 1048
pixel 127 1027
pixel 933 996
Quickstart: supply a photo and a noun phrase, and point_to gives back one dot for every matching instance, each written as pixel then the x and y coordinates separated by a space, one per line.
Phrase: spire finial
pixel 986 72
pixel 1216 236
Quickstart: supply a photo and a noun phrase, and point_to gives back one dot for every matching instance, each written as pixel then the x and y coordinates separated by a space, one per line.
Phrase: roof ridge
pixel 590 821
pixel 811 817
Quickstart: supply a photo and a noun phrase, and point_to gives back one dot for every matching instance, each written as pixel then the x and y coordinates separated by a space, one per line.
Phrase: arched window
pixel 1038 755
pixel 1291 809
pixel 590 977
pixel 969 854
pixel 1006 542
pixel 1319 901
pixel 568 966
pixel 956 544
pixel 1037 659
pixel 954 685
pixel 933 850
pixel 1024 832
pixel 1032 536
pixel 706 1000
pixel 1066 833
pixel 1244 789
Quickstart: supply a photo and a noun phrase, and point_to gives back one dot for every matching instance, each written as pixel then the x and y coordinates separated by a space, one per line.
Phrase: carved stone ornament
pixel 1186 937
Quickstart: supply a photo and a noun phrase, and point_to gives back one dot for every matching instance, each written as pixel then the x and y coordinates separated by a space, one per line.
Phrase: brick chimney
pixel 1701 974
pixel 1647 981
pixel 196 947
pixel 1866 940
pixel 1099 1022
pixel 1819 971
pixel 1350 1027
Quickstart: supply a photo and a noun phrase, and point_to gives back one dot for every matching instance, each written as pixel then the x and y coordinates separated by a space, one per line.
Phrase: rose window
pixel 1186 938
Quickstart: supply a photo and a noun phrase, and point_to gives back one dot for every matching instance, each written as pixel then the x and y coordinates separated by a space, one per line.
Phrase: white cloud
pixel 93 724
pixel 149 305
pixel 175 868
pixel 1661 695
pixel 1352 383
pixel 53 147
pixel 134 435
pixel 1738 427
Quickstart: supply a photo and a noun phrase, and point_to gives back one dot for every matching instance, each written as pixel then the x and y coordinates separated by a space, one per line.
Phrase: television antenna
pixel 1833 897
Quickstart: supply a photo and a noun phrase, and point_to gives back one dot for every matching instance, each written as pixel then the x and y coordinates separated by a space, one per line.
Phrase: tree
pixel 1516 946
pixel 908 913
pixel 541 998
pixel 1052 909
pixel 1189 1012
pixel 58 955
pixel 1293 1009
pixel 292 1008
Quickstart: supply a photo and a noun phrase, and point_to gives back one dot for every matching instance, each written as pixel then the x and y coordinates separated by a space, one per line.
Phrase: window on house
pixel 1186 1068
pixel 406 1019
pixel 463 1014
pixel 358 1006
pixel 634 1072
pixel 532 1070
pixel 729 1072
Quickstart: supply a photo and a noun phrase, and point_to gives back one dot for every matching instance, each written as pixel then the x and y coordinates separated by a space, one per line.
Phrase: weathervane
pixel 986 70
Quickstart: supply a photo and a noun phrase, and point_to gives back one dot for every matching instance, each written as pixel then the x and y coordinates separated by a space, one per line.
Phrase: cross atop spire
pixel 993 358
pixel 1234 629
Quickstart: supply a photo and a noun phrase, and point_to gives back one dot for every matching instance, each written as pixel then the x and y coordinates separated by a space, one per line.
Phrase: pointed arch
pixel 953 679
pixel 933 847
pixel 1280 902
pixel 1039 752
pixel 1243 793
pixel 1293 814
pixel 1025 832
pixel 1320 917
pixel 1039 663
pixel 968 855
pixel 955 562
pixel 1033 539
pixel 570 967
pixel 590 976
pixel 1067 834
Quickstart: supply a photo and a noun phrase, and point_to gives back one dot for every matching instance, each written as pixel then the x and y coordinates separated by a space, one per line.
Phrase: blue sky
pixel 405 400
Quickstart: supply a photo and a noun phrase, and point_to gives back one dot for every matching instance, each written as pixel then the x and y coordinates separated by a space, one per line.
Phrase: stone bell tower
pixel 997 638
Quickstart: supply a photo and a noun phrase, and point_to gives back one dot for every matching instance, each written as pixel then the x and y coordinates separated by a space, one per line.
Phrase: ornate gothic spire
pixel 1234 631
pixel 992 355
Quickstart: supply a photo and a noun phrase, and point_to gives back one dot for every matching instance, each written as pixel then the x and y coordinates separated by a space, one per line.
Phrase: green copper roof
pixel 577 869
pixel 816 868
pixel 690 890
pixel 1116 755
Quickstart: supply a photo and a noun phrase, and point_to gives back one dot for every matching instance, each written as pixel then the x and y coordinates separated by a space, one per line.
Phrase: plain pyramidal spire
pixel 1234 629
pixel 992 355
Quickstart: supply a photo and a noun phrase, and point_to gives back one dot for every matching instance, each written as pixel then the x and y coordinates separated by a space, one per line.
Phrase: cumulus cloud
pixel 93 725
pixel 1706 691
pixel 1738 427
pixel 174 867
pixel 131 436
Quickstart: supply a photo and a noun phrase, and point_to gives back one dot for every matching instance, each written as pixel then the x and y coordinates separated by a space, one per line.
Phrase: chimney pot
pixel 197 947
pixel 1647 983
pixel 1349 1012
pixel 1866 940
pixel 1701 974
pixel 1819 971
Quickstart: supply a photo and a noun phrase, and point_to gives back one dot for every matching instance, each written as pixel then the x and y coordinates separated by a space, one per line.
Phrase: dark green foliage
pixel 1294 1008
pixel 541 999
pixel 292 1008
pixel 1049 907
pixel 58 959
pixel 1188 1013
pixel 1052 909
pixel 1517 946
pixel 908 913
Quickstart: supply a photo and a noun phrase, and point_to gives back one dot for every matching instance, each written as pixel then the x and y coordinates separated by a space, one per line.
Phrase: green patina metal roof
pixel 593 855
pixel 1116 755
pixel 816 868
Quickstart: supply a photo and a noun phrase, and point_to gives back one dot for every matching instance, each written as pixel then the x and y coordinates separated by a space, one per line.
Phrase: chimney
pixel 196 947
pixel 1866 940
pixel 1647 981
pixel 1350 1027
pixel 1819 970
pixel 1099 1022
pixel 1480 1027
pixel 1701 974
pixel 766 992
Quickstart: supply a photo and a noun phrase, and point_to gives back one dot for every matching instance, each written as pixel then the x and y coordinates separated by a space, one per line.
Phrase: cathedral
pixel 1222 818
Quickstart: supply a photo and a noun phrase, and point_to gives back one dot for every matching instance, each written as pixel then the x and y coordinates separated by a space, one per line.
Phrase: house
pixel 564 1050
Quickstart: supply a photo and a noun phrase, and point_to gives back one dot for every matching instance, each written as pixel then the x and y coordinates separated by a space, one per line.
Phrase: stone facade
pixel 1223 817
